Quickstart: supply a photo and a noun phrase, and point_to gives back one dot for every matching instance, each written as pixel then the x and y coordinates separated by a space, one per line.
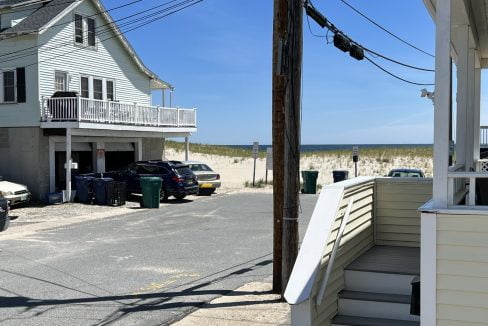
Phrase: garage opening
pixel 118 155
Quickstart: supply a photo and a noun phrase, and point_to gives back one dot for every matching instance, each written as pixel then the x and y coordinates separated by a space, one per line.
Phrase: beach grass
pixel 381 154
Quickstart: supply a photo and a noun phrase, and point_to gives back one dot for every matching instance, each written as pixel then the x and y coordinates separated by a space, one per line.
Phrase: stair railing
pixel 337 243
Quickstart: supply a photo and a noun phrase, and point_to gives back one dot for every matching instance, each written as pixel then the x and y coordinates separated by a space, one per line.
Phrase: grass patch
pixel 213 150
pixel 258 184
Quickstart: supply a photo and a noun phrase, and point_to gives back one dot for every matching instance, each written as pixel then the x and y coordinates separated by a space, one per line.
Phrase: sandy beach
pixel 235 171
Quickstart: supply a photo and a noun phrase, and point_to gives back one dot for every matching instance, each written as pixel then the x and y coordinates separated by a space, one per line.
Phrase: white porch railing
pixel 462 184
pixel 110 112
pixel 484 136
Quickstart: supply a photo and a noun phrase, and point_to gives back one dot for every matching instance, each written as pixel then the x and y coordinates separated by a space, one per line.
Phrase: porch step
pixel 341 320
pixel 375 305
pixel 378 282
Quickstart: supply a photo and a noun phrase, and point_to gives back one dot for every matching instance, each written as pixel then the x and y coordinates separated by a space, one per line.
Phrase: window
pixel 97 89
pixel 79 29
pixel 60 82
pixel 91 31
pixel 9 86
pixel 110 90
pixel 85 91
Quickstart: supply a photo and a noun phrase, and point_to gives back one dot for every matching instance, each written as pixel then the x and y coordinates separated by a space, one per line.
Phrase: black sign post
pixel 355 159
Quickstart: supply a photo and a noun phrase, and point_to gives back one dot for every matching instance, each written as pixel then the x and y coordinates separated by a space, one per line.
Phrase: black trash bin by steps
pixel 101 186
pixel 85 188
pixel 340 175
pixel 4 218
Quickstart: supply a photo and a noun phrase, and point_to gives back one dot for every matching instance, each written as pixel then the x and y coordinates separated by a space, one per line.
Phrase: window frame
pixel 85 32
pixel 2 85
pixel 107 80
pixel 89 33
pixel 76 29
pixel 66 81
pixel 101 89
pixel 87 86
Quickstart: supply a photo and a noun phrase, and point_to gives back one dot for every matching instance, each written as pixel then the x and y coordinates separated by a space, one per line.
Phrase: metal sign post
pixel 255 155
pixel 355 159
pixel 269 162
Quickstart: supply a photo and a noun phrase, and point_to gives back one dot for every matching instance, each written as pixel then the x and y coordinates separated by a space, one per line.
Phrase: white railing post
pixel 78 108
pixel 472 192
pixel 178 117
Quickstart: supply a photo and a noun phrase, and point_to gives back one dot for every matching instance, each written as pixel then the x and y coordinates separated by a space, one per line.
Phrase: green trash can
pixel 310 182
pixel 151 189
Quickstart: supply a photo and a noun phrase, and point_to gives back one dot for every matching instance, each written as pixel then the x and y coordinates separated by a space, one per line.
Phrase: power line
pixel 120 33
pixel 22 55
pixel 386 30
pixel 394 75
pixel 397 62
pixel 41 2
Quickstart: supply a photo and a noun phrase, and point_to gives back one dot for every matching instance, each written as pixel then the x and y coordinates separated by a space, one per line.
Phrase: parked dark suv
pixel 178 180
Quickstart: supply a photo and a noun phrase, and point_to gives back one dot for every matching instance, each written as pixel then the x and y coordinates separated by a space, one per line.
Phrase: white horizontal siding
pixel 108 60
pixel 397 200
pixel 462 269
pixel 21 114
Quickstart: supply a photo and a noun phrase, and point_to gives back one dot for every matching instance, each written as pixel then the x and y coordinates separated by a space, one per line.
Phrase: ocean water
pixel 329 147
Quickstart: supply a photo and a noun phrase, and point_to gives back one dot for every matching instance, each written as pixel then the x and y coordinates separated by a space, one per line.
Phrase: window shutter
pixel 21 89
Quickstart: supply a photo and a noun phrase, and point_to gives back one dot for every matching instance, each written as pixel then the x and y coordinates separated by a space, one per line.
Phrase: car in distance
pixel 14 193
pixel 208 179
pixel 406 173
pixel 177 179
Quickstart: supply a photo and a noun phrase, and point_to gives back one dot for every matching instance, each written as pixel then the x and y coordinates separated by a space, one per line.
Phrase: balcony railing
pixel 484 136
pixel 79 109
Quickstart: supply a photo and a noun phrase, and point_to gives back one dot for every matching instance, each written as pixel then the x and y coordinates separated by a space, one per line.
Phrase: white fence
pixel 99 111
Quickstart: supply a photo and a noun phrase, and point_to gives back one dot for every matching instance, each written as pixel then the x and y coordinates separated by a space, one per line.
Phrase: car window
pixel 164 171
pixel 147 169
pixel 183 170
pixel 406 175
pixel 199 167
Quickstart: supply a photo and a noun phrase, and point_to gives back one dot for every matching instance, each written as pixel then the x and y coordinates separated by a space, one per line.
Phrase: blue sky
pixel 218 56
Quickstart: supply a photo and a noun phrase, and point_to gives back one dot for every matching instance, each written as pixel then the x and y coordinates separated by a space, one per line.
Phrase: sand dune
pixel 236 171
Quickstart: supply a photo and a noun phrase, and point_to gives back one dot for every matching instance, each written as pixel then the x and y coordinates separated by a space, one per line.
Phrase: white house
pixel 53 46
pixel 370 238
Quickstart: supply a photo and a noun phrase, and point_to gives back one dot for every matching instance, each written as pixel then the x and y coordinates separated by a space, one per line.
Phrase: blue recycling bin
pixel 101 190
pixel 84 188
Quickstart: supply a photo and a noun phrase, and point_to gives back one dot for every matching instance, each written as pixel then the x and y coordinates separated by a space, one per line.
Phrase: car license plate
pixel 23 197
pixel 189 182
pixel 206 185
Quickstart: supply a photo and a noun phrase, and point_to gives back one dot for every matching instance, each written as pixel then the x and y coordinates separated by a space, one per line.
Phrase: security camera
pixel 425 93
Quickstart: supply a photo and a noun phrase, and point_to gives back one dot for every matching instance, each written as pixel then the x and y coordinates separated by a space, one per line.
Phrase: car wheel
pixel 162 195
pixel 180 197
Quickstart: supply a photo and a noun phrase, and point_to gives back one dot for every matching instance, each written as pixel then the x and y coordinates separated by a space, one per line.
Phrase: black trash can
pixel 340 175
pixel 101 190
pixel 116 193
pixel 415 299
pixel 84 188
pixel 4 218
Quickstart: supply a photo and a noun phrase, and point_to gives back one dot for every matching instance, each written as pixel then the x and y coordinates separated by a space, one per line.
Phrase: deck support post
pixel 442 102
pixel 100 152
pixel 68 164
pixel 477 102
pixel 52 165
pixel 470 114
pixel 462 32
pixel 187 148
pixel 138 151
pixel 163 151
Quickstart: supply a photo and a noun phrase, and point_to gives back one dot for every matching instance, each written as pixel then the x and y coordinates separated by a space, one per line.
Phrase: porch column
pixel 470 114
pixel 441 111
pixel 477 102
pixel 138 151
pixel 52 165
pixel 163 100
pixel 68 164
pixel 100 152
pixel 187 147
pixel 163 156
pixel 462 46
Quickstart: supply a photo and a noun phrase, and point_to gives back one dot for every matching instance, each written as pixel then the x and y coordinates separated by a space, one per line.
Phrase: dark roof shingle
pixel 40 17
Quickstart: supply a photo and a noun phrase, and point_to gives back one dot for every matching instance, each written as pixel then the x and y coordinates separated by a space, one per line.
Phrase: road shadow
pixel 133 303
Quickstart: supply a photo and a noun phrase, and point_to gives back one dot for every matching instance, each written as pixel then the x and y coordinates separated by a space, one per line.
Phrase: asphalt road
pixel 145 268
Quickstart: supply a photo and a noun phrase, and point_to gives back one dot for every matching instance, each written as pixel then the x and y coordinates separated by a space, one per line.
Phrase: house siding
pixel 397 219
pixel 462 269
pixel 108 60
pixel 21 114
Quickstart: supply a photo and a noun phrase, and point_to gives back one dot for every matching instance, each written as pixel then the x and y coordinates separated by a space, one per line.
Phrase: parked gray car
pixel 208 179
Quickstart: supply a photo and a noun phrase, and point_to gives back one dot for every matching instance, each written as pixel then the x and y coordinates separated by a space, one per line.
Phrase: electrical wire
pixel 396 61
pixel 69 38
pixel 394 75
pixel 386 30
pixel 120 33
pixel 41 2
pixel 310 29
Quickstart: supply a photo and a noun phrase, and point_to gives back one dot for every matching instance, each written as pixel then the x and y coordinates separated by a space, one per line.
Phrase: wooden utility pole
pixel 279 33
pixel 293 67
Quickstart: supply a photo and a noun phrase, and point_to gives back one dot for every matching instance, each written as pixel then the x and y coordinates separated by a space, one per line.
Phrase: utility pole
pixel 279 33
pixel 293 71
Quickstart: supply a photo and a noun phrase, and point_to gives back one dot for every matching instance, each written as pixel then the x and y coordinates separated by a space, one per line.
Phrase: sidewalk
pixel 251 304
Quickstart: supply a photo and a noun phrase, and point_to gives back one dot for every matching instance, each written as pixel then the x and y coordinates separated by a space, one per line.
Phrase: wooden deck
pixel 388 259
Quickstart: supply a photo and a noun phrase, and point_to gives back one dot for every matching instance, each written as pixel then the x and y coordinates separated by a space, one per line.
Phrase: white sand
pixel 236 171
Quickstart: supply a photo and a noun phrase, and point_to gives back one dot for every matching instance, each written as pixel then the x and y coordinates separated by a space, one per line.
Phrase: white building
pixel 74 45
pixel 369 238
